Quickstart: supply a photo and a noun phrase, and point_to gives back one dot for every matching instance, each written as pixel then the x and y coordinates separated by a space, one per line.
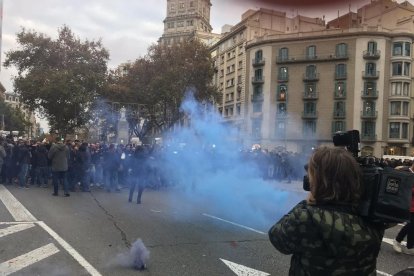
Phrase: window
pixel 398 130
pixel 190 23
pixel 283 54
pixel 338 126
pixel 238 109
pixel 340 89
pixel 401 68
pixel 340 70
pixel 368 129
pixel 180 24
pixel 256 128
pixel 281 109
pixel 339 109
pixel 310 90
pixel 258 56
pixel 341 50
pixel 181 5
pixel 369 108
pixel 310 108
pixel 398 108
pixel 257 107
pixel 283 73
pixel 370 88
pixel 191 4
pixel 371 69
pixel 311 71
pixel 309 128
pixel 407 49
pixel 258 74
pixel 311 52
pixel 372 47
pixel 280 130
pixel 282 93
pixel 406 89
pixel 397 48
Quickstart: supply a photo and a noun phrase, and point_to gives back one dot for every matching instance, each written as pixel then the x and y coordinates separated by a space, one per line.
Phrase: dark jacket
pixel 327 240
pixel 59 154
pixel 40 156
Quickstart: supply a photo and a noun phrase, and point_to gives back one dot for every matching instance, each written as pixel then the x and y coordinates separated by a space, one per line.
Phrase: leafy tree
pixel 59 78
pixel 159 82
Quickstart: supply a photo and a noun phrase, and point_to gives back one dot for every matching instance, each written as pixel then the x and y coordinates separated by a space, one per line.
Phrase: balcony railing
pixel 339 95
pixel 307 58
pixel 310 95
pixel 369 114
pixel 258 62
pixel 340 76
pixel 257 97
pixel 281 114
pixel 339 114
pixel 372 54
pixel 370 74
pixel 368 137
pixel 258 79
pixel 309 114
pixel 311 77
pixel 369 94
pixel 283 77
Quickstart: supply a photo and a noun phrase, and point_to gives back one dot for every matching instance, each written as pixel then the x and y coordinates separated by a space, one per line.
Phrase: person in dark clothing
pixel 325 234
pixel 59 155
pixel 111 165
pixel 139 173
pixel 42 170
pixel 84 163
pixel 23 162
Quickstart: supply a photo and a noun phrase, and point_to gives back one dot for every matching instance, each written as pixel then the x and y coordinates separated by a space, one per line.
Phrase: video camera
pixel 386 197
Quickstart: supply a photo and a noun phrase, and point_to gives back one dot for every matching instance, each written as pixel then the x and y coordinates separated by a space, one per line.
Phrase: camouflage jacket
pixel 327 240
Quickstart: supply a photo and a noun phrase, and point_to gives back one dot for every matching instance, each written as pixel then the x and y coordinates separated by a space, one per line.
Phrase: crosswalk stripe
pixel 22 261
pixel 14 229
pixel 15 208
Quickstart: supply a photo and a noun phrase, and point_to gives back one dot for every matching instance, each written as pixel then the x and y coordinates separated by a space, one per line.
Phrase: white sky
pixel 126 27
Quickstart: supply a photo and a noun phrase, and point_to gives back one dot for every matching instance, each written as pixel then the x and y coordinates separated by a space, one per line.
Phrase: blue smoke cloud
pixel 205 161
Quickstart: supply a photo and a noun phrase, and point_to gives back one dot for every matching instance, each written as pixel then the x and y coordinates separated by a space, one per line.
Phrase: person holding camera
pixel 408 228
pixel 325 234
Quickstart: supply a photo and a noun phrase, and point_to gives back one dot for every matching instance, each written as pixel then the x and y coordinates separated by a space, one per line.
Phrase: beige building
pixel 303 86
pixel 187 19
pixel 232 64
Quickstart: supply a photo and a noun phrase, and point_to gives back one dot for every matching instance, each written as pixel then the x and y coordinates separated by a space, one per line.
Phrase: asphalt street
pixel 91 234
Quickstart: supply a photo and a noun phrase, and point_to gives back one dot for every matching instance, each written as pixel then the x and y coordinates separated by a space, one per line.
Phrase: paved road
pixel 90 233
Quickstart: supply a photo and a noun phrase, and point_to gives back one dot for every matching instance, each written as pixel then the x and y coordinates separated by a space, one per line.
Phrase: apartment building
pixel 303 87
pixel 14 101
pixel 232 63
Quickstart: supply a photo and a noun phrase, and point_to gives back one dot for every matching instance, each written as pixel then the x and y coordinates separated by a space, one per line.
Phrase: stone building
pixel 301 87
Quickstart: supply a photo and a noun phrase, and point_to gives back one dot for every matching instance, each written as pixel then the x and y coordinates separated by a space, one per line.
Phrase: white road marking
pixel 18 263
pixel 155 211
pixel 14 229
pixel 20 213
pixel 236 224
pixel 16 209
pixel 390 241
pixel 241 270
pixel 17 222
pixel 383 273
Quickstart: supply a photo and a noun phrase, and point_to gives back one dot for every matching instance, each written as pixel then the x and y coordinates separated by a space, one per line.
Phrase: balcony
pixel 373 94
pixel 313 59
pixel 308 96
pixel 281 115
pixel 340 76
pixel 257 79
pixel 368 137
pixel 369 114
pixel 309 114
pixel 281 97
pixel 339 95
pixel 339 114
pixel 370 74
pixel 372 55
pixel 257 97
pixel 282 77
pixel 258 62
pixel 311 77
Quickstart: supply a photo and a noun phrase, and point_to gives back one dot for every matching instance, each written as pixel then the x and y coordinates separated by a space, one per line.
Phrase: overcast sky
pixel 126 27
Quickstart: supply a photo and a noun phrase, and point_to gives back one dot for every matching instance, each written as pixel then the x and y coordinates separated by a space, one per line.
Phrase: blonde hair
pixel 335 176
